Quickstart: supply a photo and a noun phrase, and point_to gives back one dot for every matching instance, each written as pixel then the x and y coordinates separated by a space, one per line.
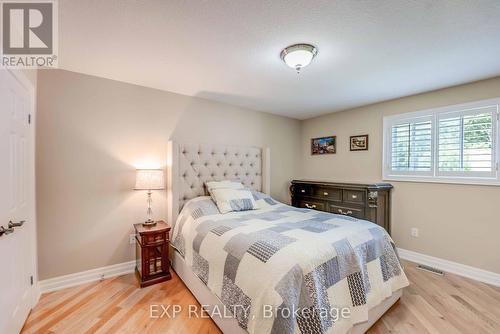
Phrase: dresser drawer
pixel 353 196
pixel 328 193
pixel 302 190
pixel 316 205
pixel 353 212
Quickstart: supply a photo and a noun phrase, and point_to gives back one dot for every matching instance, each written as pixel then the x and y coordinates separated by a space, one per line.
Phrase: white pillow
pixel 226 184
pixel 231 195
pixel 228 199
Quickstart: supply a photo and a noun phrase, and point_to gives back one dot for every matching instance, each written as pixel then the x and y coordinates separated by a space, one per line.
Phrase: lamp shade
pixel 149 179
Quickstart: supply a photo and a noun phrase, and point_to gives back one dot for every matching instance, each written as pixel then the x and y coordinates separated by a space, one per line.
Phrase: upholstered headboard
pixel 191 165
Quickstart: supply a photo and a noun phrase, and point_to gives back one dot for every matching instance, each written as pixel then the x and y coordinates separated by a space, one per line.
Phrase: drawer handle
pixel 302 191
pixel 354 196
pixel 325 193
pixel 349 212
pixel 309 206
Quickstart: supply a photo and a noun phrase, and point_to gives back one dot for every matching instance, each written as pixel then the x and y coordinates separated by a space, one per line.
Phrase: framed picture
pixel 324 145
pixel 359 143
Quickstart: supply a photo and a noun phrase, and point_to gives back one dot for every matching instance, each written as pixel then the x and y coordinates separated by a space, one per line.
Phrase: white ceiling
pixel 228 50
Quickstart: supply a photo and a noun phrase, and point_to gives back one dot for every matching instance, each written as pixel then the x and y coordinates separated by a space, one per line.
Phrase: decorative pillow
pixel 230 199
pixel 226 184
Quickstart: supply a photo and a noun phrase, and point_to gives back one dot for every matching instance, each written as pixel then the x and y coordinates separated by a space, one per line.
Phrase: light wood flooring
pixel 431 304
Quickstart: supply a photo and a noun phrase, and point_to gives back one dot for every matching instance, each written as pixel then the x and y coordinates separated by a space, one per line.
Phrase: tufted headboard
pixel 191 165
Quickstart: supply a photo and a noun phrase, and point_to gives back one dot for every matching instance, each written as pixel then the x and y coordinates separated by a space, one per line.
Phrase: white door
pixel 17 264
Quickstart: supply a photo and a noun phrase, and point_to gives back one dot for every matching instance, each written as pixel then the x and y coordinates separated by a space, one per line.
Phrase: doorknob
pixel 6 231
pixel 11 224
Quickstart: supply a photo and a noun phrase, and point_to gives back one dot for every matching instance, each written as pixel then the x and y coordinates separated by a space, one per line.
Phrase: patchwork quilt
pixel 281 269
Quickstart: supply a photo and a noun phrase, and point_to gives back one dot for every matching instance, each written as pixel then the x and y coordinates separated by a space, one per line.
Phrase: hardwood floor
pixel 431 304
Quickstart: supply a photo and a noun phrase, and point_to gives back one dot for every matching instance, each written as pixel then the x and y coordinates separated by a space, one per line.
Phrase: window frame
pixel 436 176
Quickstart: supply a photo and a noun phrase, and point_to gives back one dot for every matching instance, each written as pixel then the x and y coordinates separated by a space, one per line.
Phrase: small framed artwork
pixel 359 143
pixel 324 145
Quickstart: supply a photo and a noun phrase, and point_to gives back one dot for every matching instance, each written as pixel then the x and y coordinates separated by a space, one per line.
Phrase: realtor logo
pixel 29 34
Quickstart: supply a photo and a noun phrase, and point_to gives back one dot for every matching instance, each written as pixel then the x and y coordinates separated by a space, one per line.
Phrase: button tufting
pixel 246 174
pixel 212 175
pixel 206 164
pixel 192 163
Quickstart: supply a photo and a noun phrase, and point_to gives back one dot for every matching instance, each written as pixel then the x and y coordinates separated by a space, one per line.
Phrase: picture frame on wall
pixel 358 143
pixel 324 145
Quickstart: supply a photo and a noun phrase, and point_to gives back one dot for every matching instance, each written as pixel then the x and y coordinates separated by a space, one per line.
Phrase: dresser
pixel 365 201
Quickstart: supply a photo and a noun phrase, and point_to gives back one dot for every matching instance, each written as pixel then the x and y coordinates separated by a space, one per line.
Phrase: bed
pixel 278 269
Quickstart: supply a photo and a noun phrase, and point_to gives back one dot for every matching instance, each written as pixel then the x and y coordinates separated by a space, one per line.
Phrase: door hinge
pixel 29 118
pixel 31 280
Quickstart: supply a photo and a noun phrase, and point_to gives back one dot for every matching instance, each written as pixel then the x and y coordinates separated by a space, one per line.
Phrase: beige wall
pixel 91 135
pixel 457 222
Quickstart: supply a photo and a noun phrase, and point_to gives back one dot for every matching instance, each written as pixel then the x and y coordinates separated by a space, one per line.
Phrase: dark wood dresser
pixel 366 201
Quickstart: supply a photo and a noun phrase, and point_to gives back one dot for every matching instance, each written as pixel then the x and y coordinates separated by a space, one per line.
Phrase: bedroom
pixel 390 128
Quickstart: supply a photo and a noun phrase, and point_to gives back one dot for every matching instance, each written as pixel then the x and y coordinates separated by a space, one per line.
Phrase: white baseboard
pixel 87 276
pixel 451 267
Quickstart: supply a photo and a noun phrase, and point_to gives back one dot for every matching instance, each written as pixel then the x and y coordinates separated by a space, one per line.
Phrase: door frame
pixel 20 76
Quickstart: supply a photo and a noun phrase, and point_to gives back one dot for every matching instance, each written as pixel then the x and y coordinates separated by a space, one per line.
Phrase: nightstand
pixel 152 263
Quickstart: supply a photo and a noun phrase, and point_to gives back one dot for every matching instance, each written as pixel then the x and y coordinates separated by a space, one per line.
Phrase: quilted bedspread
pixel 281 269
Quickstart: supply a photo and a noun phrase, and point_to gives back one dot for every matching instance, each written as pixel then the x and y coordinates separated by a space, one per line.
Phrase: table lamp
pixel 149 179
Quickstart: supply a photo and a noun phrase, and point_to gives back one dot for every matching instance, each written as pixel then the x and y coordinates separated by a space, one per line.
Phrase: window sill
pixel 443 180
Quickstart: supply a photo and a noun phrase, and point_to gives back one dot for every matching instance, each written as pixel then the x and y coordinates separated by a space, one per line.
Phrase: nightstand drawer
pixel 353 196
pixel 353 212
pixel 328 193
pixel 154 239
pixel 316 205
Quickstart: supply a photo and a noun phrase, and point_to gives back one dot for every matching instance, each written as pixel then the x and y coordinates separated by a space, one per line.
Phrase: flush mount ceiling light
pixel 298 56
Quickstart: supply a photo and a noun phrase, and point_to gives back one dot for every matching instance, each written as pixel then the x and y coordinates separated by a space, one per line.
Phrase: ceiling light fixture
pixel 298 56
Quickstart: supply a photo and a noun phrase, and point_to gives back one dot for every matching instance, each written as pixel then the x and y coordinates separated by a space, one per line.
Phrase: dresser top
pixel 373 186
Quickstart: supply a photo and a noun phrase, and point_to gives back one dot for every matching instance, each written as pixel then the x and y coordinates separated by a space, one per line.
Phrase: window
pixel 456 144
pixel 411 146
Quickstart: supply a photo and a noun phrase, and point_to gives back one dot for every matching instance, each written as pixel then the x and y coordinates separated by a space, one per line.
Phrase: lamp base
pixel 149 222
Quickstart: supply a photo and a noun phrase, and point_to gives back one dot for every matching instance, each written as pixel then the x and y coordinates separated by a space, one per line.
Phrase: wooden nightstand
pixel 152 263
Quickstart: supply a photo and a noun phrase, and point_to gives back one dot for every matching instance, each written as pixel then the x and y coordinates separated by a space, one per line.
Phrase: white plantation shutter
pixel 411 147
pixel 453 144
pixel 466 142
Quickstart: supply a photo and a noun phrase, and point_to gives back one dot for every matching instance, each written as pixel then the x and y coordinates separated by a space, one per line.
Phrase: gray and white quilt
pixel 302 264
